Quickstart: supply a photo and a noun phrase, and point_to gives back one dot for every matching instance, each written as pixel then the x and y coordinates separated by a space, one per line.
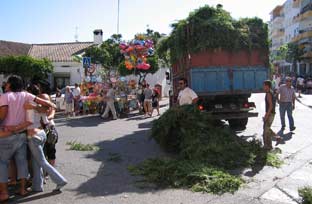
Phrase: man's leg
pixel 290 116
pixel 105 114
pixel 4 167
pixel 282 115
pixel 268 133
pixel 21 164
pixel 112 109
pixel 7 149
pixel 145 107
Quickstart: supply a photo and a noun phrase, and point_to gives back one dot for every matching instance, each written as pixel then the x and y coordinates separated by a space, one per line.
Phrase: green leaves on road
pixel 306 195
pixel 77 146
pixel 197 176
pixel 205 153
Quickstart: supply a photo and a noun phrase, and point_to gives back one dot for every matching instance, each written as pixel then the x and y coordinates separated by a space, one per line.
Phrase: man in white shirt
pixel 110 106
pixel 186 95
pixel 76 94
pixel 300 85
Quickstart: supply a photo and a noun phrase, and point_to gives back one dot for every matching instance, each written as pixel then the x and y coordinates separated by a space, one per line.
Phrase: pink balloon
pixel 123 46
pixel 143 66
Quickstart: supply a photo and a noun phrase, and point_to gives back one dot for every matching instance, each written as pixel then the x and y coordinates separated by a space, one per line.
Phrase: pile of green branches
pixel 209 28
pixel 204 150
pixel 306 195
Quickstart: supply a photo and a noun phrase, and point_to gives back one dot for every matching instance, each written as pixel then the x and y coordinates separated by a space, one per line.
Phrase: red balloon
pixel 143 66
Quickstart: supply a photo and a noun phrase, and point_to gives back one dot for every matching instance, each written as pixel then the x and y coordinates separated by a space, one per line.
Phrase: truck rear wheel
pixel 239 124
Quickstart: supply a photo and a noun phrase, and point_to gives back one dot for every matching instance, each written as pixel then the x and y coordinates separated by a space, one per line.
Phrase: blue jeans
pixel 14 145
pixel 286 107
pixel 40 163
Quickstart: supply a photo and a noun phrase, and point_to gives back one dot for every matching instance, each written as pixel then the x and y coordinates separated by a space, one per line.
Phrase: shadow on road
pixel 113 177
pixel 91 121
pixel 32 197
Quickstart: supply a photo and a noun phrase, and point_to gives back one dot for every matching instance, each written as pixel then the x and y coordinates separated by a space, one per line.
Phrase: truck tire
pixel 238 124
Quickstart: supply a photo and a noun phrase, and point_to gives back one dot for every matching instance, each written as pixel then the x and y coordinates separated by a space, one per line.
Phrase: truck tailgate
pixel 227 80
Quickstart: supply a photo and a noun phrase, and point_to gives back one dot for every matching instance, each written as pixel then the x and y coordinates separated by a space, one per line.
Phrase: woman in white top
pixel 36 140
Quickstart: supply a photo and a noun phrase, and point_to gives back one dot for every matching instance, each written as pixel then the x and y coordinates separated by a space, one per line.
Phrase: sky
pixel 54 21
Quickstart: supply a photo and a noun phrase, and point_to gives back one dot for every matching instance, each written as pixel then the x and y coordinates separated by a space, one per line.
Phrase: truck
pixel 224 81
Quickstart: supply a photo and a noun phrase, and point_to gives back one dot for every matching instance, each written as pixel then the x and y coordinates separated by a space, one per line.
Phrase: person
pixel 300 85
pixel 36 139
pixel 140 98
pixel 286 97
pixel 270 103
pixel 3 87
pixel 76 94
pixel 110 106
pixel 58 99
pixel 155 101
pixel 12 115
pixel 148 92
pixel 49 147
pixel 186 95
pixel 68 101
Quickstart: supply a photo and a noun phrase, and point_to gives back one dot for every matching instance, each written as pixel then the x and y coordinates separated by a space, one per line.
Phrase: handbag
pixel 52 135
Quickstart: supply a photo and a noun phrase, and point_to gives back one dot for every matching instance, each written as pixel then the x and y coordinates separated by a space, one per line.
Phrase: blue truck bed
pixel 227 80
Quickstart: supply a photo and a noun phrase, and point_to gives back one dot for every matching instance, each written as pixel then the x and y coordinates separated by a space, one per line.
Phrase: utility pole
pixel 118 16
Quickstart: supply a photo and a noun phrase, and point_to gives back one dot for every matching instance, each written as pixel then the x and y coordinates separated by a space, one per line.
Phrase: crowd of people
pixel 302 84
pixel 27 138
pixel 146 101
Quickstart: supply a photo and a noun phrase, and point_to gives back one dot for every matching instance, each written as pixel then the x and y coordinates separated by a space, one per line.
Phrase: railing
pixel 302 35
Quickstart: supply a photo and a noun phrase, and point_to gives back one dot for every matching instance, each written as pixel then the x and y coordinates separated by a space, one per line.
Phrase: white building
pixel 292 23
pixel 66 70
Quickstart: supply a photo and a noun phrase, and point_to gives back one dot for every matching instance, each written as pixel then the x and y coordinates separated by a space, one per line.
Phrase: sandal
pixel 4 197
pixel 24 193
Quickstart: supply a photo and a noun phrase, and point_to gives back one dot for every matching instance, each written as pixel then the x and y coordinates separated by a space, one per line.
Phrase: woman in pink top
pixel 13 116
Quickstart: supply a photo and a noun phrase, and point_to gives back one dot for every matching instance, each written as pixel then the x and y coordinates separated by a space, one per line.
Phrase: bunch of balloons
pixel 136 53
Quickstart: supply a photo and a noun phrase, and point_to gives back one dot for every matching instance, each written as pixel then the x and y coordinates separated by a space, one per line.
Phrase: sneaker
pixel 60 186
pixel 292 128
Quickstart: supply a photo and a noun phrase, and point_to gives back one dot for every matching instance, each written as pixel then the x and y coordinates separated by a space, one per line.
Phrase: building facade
pixel 292 23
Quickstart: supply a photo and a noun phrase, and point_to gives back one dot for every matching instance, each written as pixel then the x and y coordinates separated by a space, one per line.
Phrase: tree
pixel 107 54
pixel 294 54
pixel 26 67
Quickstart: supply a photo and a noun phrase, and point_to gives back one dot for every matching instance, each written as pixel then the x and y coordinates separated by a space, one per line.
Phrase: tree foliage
pixel 25 66
pixel 213 28
pixel 294 53
pixel 107 54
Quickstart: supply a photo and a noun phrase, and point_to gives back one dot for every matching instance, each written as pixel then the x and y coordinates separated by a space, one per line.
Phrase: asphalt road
pixel 94 178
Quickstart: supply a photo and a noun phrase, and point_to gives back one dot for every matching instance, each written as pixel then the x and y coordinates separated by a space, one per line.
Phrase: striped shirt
pixel 286 94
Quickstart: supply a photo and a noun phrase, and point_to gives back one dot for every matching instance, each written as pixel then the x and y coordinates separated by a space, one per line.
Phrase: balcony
pixel 307 55
pixel 296 3
pixel 305 34
pixel 306 15
pixel 278 33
